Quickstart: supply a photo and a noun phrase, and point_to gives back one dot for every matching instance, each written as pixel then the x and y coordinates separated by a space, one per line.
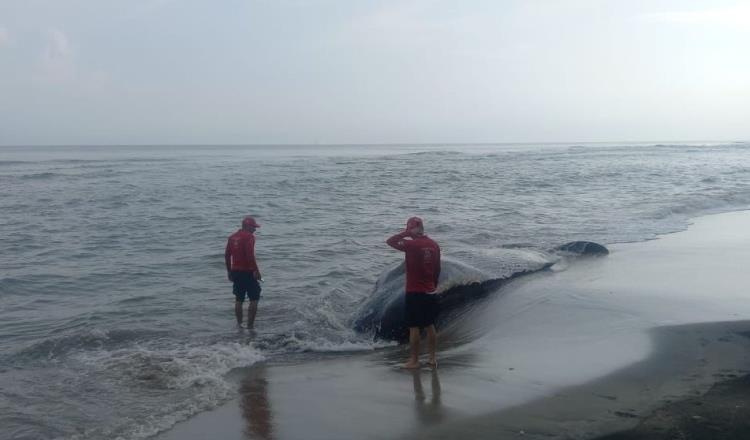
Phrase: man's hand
pixel 257 275
pixel 229 276
pixel 397 241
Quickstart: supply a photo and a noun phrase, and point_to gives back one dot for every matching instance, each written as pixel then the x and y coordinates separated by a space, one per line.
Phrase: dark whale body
pixel 584 248
pixel 460 284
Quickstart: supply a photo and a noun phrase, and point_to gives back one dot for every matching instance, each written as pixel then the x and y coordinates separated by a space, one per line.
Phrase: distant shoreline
pixel 378 144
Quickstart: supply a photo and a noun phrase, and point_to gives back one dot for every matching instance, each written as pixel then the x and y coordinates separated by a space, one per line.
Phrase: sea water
pixel 116 317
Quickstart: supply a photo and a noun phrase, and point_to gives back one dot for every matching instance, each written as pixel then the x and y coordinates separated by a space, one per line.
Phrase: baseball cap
pixel 413 222
pixel 249 222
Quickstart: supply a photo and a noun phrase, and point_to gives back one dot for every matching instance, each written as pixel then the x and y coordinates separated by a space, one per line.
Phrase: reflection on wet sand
pixel 255 406
pixel 428 413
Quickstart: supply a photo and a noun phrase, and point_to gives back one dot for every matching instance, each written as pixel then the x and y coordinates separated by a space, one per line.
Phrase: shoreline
pixel 688 361
pixel 581 352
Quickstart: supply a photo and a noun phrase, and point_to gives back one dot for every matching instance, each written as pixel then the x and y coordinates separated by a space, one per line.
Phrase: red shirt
pixel 422 262
pixel 240 252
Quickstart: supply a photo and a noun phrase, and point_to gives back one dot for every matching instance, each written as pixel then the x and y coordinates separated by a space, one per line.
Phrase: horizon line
pixel 374 144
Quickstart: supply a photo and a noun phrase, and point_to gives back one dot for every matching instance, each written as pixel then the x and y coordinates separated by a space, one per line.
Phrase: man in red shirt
pixel 242 270
pixel 422 273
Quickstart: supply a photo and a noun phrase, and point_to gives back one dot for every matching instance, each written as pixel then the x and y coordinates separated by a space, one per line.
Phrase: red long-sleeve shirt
pixel 422 261
pixel 240 252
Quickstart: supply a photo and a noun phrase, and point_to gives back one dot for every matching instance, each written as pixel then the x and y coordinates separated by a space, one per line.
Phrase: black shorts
pixel 421 309
pixel 245 284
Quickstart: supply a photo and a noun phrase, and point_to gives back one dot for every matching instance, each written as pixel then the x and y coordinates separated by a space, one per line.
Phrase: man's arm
pixel 437 269
pixel 398 242
pixel 251 256
pixel 228 261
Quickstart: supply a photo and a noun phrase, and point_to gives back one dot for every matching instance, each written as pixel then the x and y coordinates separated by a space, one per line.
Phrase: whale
pixel 461 282
pixel 583 248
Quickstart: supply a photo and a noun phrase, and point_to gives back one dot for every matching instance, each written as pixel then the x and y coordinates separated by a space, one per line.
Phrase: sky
pixel 123 72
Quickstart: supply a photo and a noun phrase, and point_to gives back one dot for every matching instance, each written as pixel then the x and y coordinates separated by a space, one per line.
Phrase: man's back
pixel 242 270
pixel 422 264
pixel 422 273
pixel 240 252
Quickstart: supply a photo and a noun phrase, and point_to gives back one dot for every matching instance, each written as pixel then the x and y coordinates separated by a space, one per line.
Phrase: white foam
pixel 324 346
pixel 201 369
pixel 352 342
pixel 180 367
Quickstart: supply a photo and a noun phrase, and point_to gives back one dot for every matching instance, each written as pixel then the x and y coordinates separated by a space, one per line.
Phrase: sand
pixel 721 414
pixel 622 346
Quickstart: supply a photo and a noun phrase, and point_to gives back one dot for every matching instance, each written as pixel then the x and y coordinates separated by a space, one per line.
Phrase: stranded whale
pixel 460 283
pixel 585 248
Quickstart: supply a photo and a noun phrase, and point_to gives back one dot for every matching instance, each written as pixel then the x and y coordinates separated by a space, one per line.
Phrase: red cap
pixel 413 223
pixel 249 222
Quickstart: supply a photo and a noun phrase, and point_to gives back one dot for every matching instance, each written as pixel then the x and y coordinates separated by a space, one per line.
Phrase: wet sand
pixel 595 347
pixel 721 414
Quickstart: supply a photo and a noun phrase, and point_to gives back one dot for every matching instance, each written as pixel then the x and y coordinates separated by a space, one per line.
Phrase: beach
pixel 589 348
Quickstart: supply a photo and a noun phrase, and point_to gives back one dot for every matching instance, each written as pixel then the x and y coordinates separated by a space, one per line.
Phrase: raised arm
pixel 398 242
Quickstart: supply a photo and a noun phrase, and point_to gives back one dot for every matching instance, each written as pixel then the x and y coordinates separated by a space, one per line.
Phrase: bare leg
pixel 238 312
pixel 252 309
pixel 413 348
pixel 432 344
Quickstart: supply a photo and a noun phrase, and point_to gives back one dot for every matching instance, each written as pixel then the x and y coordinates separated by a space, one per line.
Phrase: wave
pixel 194 375
pixel 57 348
pixel 706 204
pixel 304 343
pixel 40 176
pixel 179 367
pixel 4 163
pixel 156 381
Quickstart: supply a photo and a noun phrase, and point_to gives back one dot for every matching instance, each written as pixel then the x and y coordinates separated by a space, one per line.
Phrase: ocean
pixel 116 317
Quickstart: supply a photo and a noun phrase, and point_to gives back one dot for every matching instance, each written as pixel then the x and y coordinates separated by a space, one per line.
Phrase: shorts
pixel 245 284
pixel 421 309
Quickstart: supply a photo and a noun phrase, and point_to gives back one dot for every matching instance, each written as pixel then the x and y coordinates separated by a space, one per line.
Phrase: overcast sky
pixel 348 71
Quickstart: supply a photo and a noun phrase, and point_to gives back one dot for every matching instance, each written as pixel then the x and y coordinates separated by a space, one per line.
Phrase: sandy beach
pixel 590 348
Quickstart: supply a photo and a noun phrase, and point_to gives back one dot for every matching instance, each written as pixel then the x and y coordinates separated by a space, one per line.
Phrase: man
pixel 422 273
pixel 242 270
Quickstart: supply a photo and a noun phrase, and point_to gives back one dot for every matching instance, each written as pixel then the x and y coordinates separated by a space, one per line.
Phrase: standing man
pixel 242 270
pixel 422 273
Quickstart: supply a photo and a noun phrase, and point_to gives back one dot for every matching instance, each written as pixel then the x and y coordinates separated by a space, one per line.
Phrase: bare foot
pixel 411 365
